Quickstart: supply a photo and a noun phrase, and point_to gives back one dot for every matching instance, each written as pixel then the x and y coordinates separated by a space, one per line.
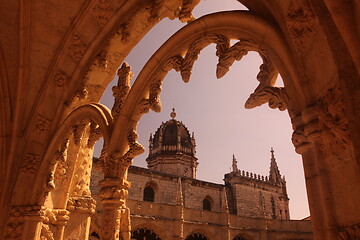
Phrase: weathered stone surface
pixel 55 57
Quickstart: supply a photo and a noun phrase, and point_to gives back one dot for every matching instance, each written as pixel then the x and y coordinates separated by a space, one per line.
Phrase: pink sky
pixel 214 110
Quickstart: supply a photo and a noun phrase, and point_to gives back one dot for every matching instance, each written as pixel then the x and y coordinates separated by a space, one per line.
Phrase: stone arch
pixel 144 94
pixel 96 115
pixel 65 170
pixel 80 59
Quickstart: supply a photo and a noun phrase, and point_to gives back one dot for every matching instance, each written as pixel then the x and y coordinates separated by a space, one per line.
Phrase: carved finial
pixel 121 90
pixel 173 114
pixel 274 175
pixel 234 164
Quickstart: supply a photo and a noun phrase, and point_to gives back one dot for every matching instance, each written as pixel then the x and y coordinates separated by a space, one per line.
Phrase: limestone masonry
pixel 168 202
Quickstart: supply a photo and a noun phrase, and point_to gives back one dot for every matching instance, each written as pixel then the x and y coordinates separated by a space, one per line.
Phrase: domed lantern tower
pixel 172 149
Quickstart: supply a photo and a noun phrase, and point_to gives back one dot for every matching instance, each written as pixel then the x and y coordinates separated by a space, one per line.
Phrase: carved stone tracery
pixel 265 92
pixel 122 89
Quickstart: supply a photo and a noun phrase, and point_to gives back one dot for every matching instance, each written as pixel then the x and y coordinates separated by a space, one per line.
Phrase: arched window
pixel 196 236
pixel 144 234
pixel 149 194
pixel 207 203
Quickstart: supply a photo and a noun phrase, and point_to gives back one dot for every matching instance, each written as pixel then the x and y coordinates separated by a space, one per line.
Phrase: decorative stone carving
pixel 82 204
pixel 46 233
pixel 77 48
pixel 103 11
pixel 265 92
pixel 30 163
pixel 349 233
pixel 122 89
pixel 300 22
pixel 95 134
pixel 275 96
pixel 56 216
pixel 324 120
pixel 80 93
pixel 79 131
pixel 185 14
pixel 61 153
pixel 61 172
pixel 334 124
pixel 14 230
pixel 148 14
pixel 112 60
pixel 18 215
pixel 116 164
pixel 81 178
pixel 114 189
pixel 115 217
pixel 142 107
pixel 50 184
pixel 41 124
pixel 299 139
pixel 61 80
pixel 194 51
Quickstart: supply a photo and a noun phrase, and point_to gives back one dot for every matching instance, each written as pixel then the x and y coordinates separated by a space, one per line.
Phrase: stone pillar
pixel 24 223
pixel 58 219
pixel 115 215
pixel 322 136
pixel 81 209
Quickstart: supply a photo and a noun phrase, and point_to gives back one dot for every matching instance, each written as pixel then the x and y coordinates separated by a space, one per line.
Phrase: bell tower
pixel 172 149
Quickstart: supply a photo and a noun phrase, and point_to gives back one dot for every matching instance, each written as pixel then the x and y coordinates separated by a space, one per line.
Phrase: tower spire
pixel 274 174
pixel 234 164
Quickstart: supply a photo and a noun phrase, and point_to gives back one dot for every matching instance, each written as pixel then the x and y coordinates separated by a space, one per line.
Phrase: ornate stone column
pixel 322 136
pixel 115 215
pixel 56 220
pixel 81 209
pixel 25 223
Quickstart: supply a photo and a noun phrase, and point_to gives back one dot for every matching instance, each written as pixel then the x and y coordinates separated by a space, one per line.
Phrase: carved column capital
pixel 325 122
pixel 56 216
pixel 116 164
pixel 81 204
pixel 114 191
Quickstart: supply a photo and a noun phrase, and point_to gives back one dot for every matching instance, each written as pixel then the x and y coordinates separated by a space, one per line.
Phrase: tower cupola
pixel 172 149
